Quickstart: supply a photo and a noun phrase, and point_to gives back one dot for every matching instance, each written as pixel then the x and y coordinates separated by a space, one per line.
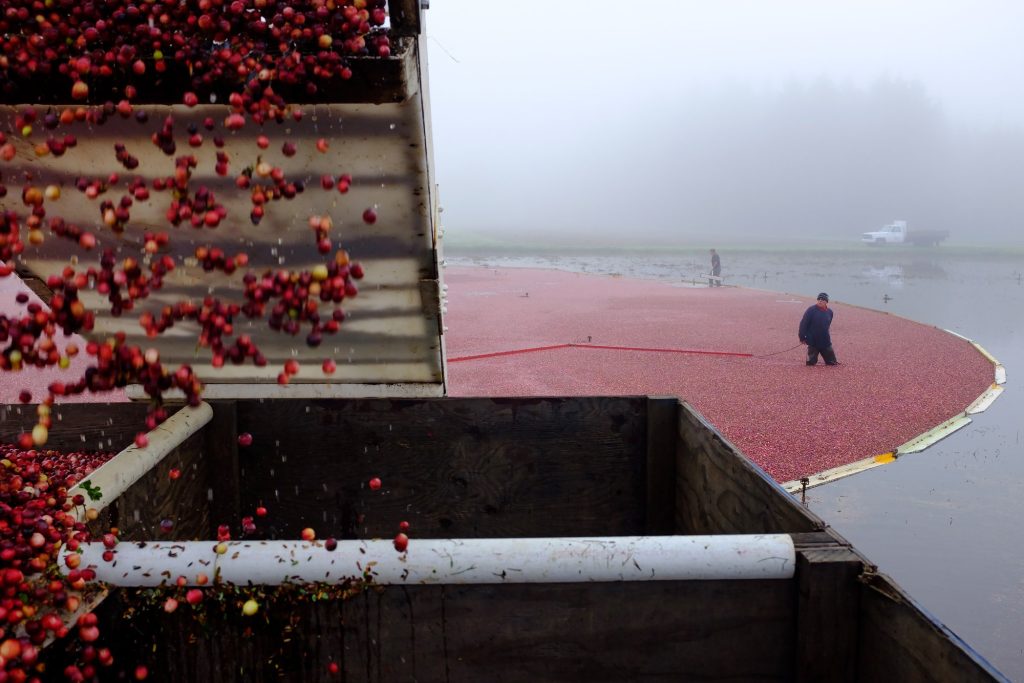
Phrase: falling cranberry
pixel 245 439
pixel 401 542
pixel 369 216
pixel 375 484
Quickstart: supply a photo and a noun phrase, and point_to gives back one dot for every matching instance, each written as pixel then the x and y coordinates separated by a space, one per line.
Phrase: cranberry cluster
pixel 278 187
pixel 294 297
pixel 36 518
pixel 246 46
pixel 214 258
pixel 200 209
pixel 70 231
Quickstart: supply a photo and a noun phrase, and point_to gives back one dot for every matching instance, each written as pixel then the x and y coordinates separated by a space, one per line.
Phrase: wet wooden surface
pixel 450 467
pixel 79 426
pixel 699 630
pixel 184 502
pixel 828 608
pixel 721 492
pixel 896 643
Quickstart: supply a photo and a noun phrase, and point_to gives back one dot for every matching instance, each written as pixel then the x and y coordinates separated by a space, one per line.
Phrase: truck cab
pixel 893 233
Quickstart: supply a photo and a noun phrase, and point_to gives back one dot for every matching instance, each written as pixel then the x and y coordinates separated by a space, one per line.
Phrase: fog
pixel 675 121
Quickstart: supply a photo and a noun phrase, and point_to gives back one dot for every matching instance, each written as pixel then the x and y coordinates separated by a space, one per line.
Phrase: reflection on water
pixel 892 275
pixel 927 270
pixel 944 523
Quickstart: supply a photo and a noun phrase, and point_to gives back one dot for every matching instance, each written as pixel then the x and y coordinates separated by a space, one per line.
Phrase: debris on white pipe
pixel 449 561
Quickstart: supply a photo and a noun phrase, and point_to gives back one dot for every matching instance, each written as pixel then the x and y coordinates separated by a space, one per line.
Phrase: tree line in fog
pixel 833 161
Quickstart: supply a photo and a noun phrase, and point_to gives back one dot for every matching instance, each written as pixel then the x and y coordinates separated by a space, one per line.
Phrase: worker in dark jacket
pixel 716 270
pixel 814 332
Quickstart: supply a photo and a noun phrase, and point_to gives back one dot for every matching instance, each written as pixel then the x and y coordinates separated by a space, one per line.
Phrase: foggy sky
pixel 748 119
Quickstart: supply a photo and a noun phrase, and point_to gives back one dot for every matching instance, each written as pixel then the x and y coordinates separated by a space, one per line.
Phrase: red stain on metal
pixel 896 378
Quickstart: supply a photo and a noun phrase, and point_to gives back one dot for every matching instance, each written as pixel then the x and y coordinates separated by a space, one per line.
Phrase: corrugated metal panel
pixel 392 336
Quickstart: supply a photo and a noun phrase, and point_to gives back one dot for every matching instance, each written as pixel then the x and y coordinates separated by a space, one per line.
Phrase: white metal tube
pixel 116 475
pixel 451 561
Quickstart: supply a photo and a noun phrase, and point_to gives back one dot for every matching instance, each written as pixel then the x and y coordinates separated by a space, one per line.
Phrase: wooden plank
pixel 220 449
pixel 899 641
pixel 721 491
pixel 76 426
pixel 817 539
pixel 700 630
pixel 452 468
pixel 662 419
pixel 827 614
pixel 139 511
pixel 674 631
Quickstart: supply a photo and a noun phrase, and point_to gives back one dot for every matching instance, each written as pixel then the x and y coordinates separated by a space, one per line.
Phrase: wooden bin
pixel 504 468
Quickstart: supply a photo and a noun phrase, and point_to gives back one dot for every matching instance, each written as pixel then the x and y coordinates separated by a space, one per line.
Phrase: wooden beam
pixel 828 605
pixel 901 642
pixel 222 466
pixel 662 419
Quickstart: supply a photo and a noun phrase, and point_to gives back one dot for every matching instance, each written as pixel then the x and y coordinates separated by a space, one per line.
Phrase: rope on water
pixel 598 346
pixel 769 355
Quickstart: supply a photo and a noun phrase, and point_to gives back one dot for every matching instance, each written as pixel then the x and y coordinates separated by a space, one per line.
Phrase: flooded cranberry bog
pixel 228 209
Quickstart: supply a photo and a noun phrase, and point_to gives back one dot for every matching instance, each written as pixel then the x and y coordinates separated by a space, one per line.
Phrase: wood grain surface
pixel 645 631
pixel 720 491
pixel 452 468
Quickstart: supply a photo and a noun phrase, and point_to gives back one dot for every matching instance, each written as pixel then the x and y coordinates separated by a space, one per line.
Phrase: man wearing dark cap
pixel 814 332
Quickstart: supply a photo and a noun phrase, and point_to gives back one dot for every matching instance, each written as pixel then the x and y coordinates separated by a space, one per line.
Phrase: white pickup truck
pixel 898 233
